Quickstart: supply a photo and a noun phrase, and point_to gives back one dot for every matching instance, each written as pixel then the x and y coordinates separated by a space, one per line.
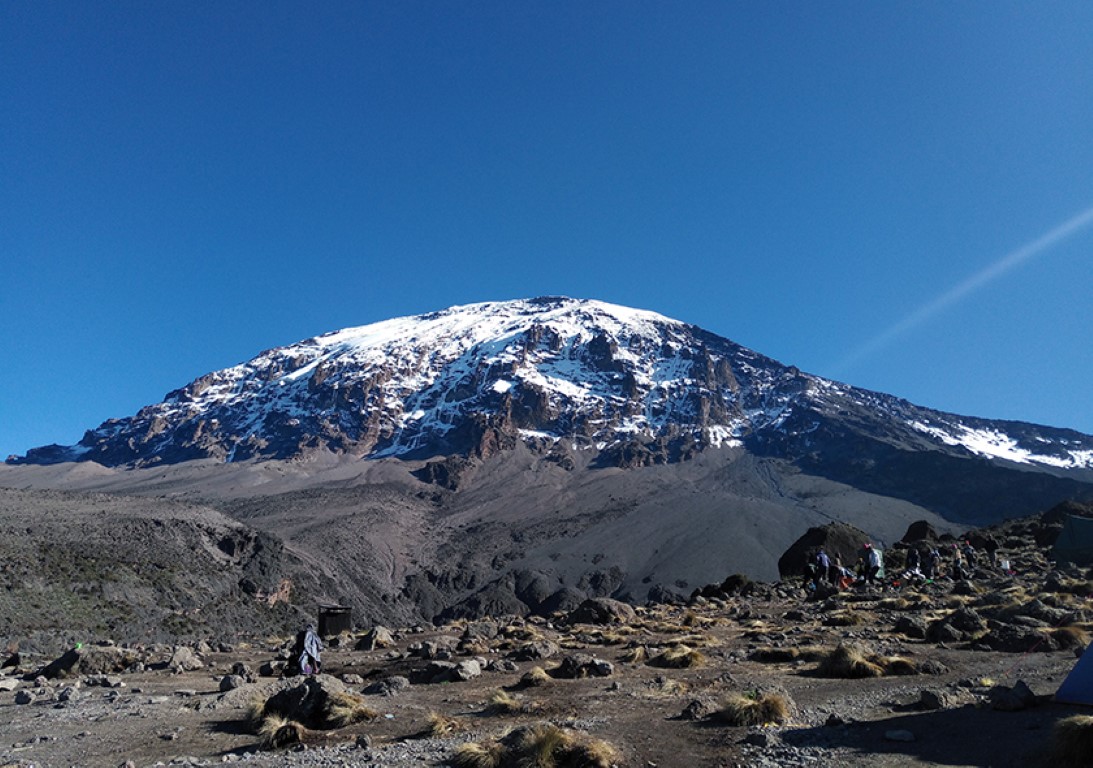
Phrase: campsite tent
pixel 1075 542
pixel 1078 686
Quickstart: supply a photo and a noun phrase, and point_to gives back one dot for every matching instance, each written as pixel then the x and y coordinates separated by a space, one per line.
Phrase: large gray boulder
pixel 602 610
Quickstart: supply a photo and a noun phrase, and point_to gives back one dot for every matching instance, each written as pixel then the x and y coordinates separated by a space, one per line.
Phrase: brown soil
pixel 163 717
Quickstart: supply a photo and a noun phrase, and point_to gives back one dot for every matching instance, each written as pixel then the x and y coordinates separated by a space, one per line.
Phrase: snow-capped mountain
pixel 559 374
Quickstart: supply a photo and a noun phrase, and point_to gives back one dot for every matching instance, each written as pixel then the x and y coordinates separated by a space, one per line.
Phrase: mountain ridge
pixel 636 386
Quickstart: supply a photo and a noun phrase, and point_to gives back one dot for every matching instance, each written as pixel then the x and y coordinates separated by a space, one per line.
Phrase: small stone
pixel 759 739
pixel 231 682
pixel 24 697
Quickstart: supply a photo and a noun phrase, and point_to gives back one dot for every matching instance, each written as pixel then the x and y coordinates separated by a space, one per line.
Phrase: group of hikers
pixel 922 564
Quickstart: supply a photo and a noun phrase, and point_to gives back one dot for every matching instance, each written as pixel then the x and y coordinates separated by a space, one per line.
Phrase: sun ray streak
pixel 992 272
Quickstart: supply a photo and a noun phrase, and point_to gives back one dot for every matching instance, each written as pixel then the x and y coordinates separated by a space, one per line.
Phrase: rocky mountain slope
pixel 517 456
pixel 639 387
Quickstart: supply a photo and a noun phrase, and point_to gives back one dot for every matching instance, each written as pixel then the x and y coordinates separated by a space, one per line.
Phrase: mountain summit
pixel 519 456
pixel 557 374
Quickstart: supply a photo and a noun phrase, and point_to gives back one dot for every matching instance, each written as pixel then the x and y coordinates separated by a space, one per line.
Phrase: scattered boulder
pixel 602 610
pixel 1015 638
pixel 581 665
pixel 961 624
pixel 911 626
pixel 320 702
pixel 450 672
pixel 1014 699
pixel 89 660
pixel 184 660
pixel 943 698
pixel 377 637
pixel 699 709
pixel 835 538
pixel 535 650
pixel 231 682
pixel 388 686
pixel 24 697
pixel 920 531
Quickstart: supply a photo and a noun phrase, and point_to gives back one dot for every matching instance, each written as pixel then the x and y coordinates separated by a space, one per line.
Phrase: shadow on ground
pixel 968 736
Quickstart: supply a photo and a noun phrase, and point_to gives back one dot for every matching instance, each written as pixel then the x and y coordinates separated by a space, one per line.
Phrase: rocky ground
pixel 956 673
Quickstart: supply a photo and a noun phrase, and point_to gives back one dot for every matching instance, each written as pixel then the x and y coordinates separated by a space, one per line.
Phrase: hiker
pixel 969 554
pixel 307 651
pixel 959 572
pixel 933 559
pixel 914 559
pixel 823 566
pixel 835 571
pixel 874 563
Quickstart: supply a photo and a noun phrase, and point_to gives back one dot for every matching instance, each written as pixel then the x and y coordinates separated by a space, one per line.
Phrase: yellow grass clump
pixel 504 703
pixel 277 733
pixel 539 746
pixel 844 619
pixel 487 754
pixel 679 657
pixel 344 708
pixel 534 677
pixel 1072 742
pixel 636 655
pixel 548 746
pixel 848 662
pixel 443 725
pixel 740 709
pixel 1070 637
pixel 791 653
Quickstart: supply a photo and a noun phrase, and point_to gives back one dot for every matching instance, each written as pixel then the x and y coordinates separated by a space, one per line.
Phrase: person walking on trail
pixel 310 655
pixel 873 563
pixel 823 566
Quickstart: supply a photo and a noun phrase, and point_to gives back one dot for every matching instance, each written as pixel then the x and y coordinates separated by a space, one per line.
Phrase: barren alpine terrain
pixel 949 672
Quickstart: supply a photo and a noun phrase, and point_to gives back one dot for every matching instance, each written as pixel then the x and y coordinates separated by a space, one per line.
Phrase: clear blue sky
pixel 185 184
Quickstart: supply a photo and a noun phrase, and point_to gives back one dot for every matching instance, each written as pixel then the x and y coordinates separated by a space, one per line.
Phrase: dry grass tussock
pixel 908 602
pixel 636 655
pixel 596 637
pixel 278 732
pixel 256 711
pixel 759 709
pixel 344 708
pixel 535 676
pixel 443 725
pixel 679 657
pixel 340 709
pixel 782 655
pixel 1072 742
pixel 539 746
pixel 666 687
pixel 1071 637
pixel 848 618
pixel 504 703
pixel 476 647
pixel 960 601
pixel 488 754
pixel 1079 587
pixel 694 640
pixel 848 662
